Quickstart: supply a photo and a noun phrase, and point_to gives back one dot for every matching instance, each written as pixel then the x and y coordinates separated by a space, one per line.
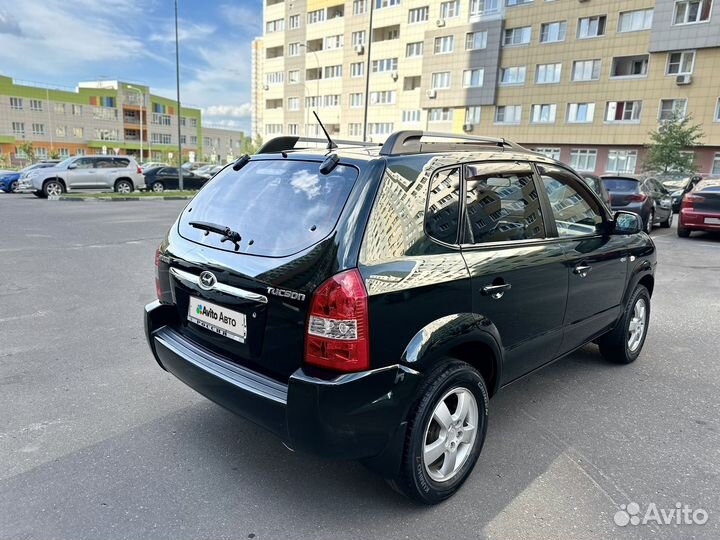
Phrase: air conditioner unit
pixel 682 80
pixel 468 127
pixel 440 22
pixel 394 75
pixel 360 49
pixel 432 94
pixel 266 87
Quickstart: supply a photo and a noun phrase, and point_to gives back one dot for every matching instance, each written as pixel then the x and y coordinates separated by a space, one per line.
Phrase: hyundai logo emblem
pixel 207 280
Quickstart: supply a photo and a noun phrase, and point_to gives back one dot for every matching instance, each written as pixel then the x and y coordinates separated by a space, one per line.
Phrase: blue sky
pixel 61 42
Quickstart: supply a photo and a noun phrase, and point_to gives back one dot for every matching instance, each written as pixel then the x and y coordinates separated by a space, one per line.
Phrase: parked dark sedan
pixel 159 179
pixel 596 184
pixel 646 198
pixel 678 188
pixel 700 210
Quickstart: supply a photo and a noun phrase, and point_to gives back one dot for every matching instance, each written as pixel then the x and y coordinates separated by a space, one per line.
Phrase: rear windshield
pixel 621 184
pixel 278 207
pixel 709 185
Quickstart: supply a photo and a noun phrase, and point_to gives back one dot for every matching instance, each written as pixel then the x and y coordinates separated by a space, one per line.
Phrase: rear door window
pixel 278 207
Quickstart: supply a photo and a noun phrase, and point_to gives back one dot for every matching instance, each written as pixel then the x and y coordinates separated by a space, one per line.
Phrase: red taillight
pixel 139 171
pixel 337 328
pixel 689 201
pixel 637 197
pixel 158 287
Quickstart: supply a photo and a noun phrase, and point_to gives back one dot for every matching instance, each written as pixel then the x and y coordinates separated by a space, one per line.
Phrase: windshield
pixel 277 207
pixel 64 163
pixel 621 185
pixel 676 184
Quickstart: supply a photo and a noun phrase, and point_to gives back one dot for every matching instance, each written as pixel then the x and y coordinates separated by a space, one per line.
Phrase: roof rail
pixel 410 142
pixel 288 142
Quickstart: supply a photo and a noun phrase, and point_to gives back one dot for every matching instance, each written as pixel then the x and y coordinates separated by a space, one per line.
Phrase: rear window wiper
pixel 226 232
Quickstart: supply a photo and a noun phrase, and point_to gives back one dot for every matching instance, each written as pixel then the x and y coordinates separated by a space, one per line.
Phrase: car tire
pixel 124 186
pixel 454 447
pixel 649 222
pixel 683 232
pixel 624 343
pixel 668 222
pixel 53 188
pixel 157 187
pixel 13 187
pixel 39 194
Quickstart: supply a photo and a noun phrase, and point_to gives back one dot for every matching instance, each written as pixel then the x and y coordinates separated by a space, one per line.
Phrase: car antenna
pixel 330 145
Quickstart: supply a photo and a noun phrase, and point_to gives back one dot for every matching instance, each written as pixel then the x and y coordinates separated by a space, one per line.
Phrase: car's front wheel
pixel 53 188
pixel 446 432
pixel 625 342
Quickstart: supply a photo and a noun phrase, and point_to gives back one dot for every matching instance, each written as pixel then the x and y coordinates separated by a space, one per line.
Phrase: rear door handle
pixel 582 270
pixel 496 292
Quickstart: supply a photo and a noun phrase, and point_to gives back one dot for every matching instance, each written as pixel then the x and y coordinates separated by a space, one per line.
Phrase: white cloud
pixel 187 31
pixel 237 111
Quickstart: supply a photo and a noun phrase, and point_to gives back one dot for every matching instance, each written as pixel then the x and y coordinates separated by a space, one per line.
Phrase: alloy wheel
pixel 14 186
pixel 53 189
pixel 450 436
pixel 124 188
pixel 637 325
pixel 157 187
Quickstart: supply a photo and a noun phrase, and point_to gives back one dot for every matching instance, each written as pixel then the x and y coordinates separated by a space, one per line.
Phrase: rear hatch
pixel 253 308
pixel 623 191
pixel 706 197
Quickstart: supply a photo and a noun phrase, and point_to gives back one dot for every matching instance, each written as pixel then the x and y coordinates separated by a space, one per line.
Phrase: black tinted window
pixel 122 162
pixel 281 206
pixel 441 218
pixel 168 171
pixel 574 215
pixel 501 204
pixel 621 185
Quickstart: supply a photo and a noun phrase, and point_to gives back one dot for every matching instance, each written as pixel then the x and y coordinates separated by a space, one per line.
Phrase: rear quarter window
pixel 122 162
pixel 278 207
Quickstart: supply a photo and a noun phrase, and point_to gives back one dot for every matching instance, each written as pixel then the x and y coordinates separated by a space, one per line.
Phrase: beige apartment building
pixel 584 81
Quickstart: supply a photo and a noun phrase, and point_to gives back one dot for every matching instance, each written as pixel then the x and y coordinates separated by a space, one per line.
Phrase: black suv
pixel 365 302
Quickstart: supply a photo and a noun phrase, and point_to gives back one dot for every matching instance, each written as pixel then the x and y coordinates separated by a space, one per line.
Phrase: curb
pixel 120 199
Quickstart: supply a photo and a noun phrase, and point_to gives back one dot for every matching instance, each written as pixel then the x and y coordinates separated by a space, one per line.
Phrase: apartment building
pixel 105 117
pixel 584 81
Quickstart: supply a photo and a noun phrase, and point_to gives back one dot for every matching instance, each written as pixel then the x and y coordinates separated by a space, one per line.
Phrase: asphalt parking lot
pixel 97 442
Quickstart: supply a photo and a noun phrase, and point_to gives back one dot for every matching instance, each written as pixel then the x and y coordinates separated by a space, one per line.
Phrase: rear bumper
pixel 349 416
pixel 695 220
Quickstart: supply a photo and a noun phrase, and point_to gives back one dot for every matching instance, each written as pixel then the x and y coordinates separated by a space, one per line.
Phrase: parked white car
pixel 86 173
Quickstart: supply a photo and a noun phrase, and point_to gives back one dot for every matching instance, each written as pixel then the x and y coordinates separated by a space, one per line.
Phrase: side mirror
pixel 626 223
pixel 72 166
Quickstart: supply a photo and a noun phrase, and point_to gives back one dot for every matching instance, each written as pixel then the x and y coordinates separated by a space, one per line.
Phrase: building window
pixel 716 166
pixel 414 49
pixel 380 128
pixel 359 7
pixel 580 113
pixel 312 17
pixel 475 40
pixel 379 4
pixel 294 21
pixel 632 21
pixel 590 27
pixel 586 70
pixel 440 114
pixel 444 44
pixel 332 72
pixel 412 83
pixel 717 111
pixel 440 80
pixel 480 8
pixel 680 63
pixel 334 42
pixel 543 113
pixel 293 129
pixel 417 15
pixel 630 66
pixel 552 153
pixel 357 38
pixel 61 131
pixel 672 108
pixel 517 2
pixel 357 69
pixel 384 97
pixel 355 130
pixel 272 129
pixel 693 11
pixel 64 153
pixel 622 161
pixel 623 111
pixel 18 128
pixel 293 49
pixel 548 73
pixel 356 100
pixel 104 113
pixel 411 116
pixel 517 36
pixel 77 110
pixel 508 114
pixel 293 103
pixel 583 159
pixel 16 103
pixel 473 78
pixel 183 139
pixel 312 101
pixel 331 100
pixel 102 134
pixel 384 64
pixel 293 76
pixel 78 132
pixel 553 32
pixel 41 153
pixel 59 108
pixel 451 9
pixel 472 114
pixel 36 105
pixel 277 25
pixel 38 129
pixel 512 75
pixel 160 119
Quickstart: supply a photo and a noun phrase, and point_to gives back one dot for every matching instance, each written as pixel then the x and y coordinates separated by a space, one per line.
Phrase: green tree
pixel 55 154
pixel 668 151
pixel 28 150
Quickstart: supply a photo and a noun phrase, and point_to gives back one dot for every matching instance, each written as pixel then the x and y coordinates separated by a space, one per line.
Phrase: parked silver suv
pixel 87 173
